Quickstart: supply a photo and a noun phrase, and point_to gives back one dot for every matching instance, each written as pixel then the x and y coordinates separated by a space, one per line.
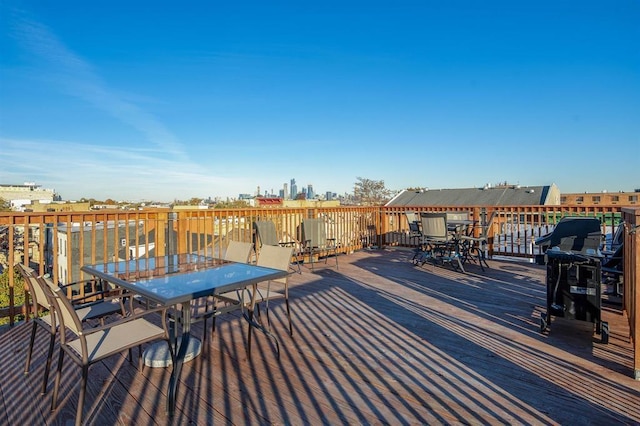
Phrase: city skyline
pixel 218 99
pixel 307 190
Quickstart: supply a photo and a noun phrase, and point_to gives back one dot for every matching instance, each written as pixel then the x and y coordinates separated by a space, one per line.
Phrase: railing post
pixel 484 234
pixel 12 311
pixel 381 226
pixel 172 237
pixel 631 281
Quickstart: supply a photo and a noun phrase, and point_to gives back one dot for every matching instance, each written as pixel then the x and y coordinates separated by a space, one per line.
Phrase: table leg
pixel 457 254
pixel 179 359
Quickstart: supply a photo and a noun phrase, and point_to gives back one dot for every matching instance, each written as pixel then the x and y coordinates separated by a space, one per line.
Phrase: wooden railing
pixel 631 301
pixel 61 243
pixel 510 230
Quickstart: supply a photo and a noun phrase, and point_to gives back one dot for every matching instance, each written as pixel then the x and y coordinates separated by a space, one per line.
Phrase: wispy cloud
pixel 158 168
pixel 131 173
pixel 76 77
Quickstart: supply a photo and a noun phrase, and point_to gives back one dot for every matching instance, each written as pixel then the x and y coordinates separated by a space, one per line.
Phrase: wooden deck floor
pixel 378 342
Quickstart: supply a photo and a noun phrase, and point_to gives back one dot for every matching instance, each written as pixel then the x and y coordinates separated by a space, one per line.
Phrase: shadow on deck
pixel 380 341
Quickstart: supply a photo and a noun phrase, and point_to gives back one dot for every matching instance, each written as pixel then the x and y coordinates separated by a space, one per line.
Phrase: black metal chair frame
pixel 439 245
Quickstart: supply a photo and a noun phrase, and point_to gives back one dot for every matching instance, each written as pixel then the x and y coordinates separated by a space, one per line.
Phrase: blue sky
pixel 141 100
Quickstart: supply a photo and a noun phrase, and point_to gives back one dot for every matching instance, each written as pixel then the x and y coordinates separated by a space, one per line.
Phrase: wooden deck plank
pixel 379 341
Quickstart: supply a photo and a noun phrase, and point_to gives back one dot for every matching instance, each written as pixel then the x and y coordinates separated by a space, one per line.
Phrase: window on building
pixel 579 199
pixel 563 200
pixel 633 198
pixel 595 199
pixel 615 198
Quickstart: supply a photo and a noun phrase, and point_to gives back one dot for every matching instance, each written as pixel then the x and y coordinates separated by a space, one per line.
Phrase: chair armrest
pixel 82 283
pixel 133 316
pixel 287 243
pixel 106 300
pixel 78 293
pixel 470 238
pixel 96 297
pixel 76 283
pixel 291 238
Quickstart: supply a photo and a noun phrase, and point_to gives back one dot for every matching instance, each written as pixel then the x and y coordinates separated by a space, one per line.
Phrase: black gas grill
pixel 574 273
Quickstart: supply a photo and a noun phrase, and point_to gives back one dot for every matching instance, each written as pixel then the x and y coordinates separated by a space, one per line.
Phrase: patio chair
pixel 90 345
pixel 211 306
pixel 472 249
pixel 470 246
pixel 266 234
pixel 274 257
pixel 316 243
pixel 413 219
pixel 439 244
pixel 237 251
pixel 41 311
pixel 415 233
pixel 617 239
pixel 613 271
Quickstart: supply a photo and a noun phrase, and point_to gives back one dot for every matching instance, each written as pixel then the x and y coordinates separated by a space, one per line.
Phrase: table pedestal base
pixel 158 355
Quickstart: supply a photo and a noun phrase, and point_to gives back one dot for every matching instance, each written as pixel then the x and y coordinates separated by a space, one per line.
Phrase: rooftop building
pixel 21 195
pixel 500 195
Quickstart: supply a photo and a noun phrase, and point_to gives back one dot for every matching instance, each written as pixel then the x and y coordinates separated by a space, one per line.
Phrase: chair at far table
pixel 613 263
pixel 314 236
pixel 266 234
pixel 439 244
pixel 415 233
pixel 471 247
pixel 40 303
pixel 415 230
pixel 90 345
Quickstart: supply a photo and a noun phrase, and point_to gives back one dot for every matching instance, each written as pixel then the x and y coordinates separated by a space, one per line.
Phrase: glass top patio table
pixel 177 280
pixel 174 279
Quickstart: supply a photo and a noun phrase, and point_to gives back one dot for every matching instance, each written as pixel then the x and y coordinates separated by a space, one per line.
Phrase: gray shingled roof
pixel 493 196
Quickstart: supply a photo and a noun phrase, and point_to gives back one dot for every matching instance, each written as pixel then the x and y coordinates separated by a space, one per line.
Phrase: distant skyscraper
pixel 294 189
pixel 310 193
pixel 285 191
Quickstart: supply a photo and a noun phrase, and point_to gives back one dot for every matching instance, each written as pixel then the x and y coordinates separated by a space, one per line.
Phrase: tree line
pixel 367 192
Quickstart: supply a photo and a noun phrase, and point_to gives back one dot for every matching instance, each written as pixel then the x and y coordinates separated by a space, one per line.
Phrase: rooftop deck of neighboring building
pixel 380 341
